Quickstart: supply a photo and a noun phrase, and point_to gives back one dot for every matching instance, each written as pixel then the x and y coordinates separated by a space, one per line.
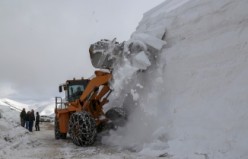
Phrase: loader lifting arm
pixel 92 98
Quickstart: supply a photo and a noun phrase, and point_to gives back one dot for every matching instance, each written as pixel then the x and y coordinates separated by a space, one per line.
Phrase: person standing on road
pixel 37 122
pixel 23 117
pixel 27 120
pixel 31 120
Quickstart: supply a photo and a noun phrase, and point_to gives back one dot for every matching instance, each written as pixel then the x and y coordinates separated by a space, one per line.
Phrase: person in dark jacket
pixel 27 120
pixel 23 117
pixel 31 120
pixel 37 122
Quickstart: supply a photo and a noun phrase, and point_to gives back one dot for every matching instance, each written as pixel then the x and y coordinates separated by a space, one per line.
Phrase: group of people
pixel 28 118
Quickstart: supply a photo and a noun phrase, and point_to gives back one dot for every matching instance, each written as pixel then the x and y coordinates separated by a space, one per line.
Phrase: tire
pixel 82 129
pixel 56 129
pixel 117 115
pixel 63 135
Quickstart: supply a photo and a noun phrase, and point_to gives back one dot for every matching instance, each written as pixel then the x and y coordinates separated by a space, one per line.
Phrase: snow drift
pixel 12 135
pixel 193 102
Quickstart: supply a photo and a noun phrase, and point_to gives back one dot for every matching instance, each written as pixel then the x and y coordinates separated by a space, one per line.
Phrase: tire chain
pixel 82 128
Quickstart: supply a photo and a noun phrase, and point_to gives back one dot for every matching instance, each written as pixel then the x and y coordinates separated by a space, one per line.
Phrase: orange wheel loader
pixel 80 113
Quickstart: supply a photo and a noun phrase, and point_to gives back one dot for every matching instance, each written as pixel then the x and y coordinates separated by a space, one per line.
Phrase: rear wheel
pixel 82 129
pixel 56 129
pixel 63 135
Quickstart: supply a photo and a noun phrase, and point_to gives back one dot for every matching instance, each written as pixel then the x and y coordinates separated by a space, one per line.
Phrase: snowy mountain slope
pixel 11 109
pixel 194 103
pixel 2 103
pixel 14 104
pixel 44 108
pixel 48 110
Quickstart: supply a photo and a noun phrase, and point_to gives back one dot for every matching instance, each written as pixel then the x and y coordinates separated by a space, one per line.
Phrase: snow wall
pixel 193 103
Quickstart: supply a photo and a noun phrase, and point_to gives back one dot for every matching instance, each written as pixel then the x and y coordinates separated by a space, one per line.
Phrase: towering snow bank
pixel 205 78
pixel 193 104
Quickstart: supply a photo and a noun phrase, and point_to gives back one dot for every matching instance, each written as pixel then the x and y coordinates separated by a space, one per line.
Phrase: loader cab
pixel 73 89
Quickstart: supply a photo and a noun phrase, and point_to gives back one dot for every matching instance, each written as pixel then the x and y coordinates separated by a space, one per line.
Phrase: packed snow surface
pixel 17 142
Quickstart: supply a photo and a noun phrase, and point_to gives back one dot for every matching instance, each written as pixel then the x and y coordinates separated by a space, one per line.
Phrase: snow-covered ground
pixel 17 142
pixel 190 104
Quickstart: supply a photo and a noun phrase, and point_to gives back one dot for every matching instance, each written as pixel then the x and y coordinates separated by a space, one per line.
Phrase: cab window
pixel 74 92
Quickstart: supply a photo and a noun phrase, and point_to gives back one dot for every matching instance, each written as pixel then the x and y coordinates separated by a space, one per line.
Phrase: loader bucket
pixel 100 60
pixel 106 54
pixel 103 53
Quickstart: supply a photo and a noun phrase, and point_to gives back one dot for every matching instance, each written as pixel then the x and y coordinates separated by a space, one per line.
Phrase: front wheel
pixel 82 129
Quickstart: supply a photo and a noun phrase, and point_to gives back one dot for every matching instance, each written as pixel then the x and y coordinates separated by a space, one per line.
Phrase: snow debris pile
pixel 14 139
pixel 191 101
pixel 12 135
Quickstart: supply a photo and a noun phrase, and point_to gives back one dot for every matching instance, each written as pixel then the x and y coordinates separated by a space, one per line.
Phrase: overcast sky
pixel 43 43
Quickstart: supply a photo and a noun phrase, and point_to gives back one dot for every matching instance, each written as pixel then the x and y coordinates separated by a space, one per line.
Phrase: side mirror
pixel 60 88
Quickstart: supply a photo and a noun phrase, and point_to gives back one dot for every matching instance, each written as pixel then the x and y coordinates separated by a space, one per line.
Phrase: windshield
pixel 74 92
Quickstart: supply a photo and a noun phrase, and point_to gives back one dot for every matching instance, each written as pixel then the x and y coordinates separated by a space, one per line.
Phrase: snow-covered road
pixel 42 145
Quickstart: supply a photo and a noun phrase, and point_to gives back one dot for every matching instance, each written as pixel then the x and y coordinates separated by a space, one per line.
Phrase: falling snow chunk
pixel 139 85
pixel 141 61
pixel 135 95
pixel 149 40
pixel 159 80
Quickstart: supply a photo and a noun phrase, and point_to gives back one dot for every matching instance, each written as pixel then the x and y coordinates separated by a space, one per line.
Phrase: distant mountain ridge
pixel 46 109
pixel 13 104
